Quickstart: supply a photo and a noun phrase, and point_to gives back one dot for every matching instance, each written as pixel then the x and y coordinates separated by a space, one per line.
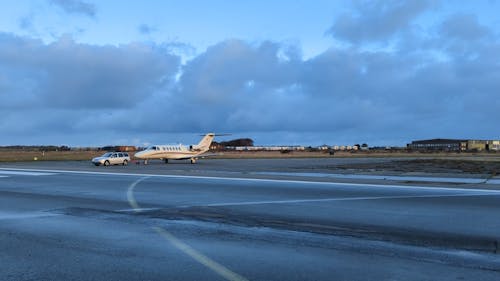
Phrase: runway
pixel 99 224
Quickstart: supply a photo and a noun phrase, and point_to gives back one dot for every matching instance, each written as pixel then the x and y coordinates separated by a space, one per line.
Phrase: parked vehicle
pixel 112 158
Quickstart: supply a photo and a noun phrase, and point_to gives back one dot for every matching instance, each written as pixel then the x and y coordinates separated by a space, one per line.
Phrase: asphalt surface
pixel 73 221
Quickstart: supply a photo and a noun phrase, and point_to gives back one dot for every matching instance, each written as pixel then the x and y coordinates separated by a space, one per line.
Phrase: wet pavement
pixel 189 223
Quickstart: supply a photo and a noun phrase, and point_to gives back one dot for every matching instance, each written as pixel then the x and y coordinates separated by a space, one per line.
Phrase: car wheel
pixel 106 163
pixel 125 162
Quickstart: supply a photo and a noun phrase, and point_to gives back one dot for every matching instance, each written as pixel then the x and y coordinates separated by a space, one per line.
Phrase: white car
pixel 112 158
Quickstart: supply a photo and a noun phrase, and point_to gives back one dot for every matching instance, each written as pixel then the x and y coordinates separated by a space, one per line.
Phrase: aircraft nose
pixel 139 154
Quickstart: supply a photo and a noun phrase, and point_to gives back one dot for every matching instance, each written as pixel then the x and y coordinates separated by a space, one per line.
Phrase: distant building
pixel 265 148
pixel 345 147
pixel 454 145
pixel 494 145
pixel 483 145
pixel 119 148
pixel 438 145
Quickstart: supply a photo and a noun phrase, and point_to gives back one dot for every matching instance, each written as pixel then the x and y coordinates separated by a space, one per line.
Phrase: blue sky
pixel 83 72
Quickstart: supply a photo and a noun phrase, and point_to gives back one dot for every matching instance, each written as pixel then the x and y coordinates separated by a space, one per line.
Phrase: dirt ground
pixel 12 155
pixel 491 167
pixel 32 155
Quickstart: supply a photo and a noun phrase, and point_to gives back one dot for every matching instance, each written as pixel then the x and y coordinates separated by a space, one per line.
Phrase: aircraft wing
pixel 208 155
pixel 204 155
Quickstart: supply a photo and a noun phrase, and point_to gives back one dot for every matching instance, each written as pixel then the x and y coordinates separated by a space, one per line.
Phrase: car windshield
pixel 107 154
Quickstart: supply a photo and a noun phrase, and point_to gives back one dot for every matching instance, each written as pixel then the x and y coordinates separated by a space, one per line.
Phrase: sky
pixel 383 72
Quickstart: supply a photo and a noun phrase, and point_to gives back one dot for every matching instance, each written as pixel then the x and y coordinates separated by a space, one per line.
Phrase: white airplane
pixel 176 152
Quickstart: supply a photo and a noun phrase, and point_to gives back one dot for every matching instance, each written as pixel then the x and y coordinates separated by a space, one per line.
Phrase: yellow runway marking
pixel 185 248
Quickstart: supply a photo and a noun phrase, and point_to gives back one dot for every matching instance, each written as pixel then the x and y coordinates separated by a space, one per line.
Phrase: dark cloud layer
pixel 377 20
pixel 65 74
pixel 464 27
pixel 75 7
pixel 446 86
pixel 146 29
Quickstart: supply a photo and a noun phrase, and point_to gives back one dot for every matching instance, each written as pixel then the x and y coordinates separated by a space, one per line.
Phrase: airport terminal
pixel 455 145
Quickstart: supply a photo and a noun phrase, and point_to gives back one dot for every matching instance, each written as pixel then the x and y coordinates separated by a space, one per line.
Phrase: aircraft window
pixel 153 147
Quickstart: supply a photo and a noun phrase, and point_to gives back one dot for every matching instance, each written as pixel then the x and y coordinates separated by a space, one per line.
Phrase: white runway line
pixel 340 199
pixel 130 195
pixel 216 267
pixel 28 215
pixel 23 173
pixel 199 257
pixel 379 177
pixel 409 187
pixel 138 210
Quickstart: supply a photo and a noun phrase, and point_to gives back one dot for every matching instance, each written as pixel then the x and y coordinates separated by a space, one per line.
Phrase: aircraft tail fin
pixel 205 142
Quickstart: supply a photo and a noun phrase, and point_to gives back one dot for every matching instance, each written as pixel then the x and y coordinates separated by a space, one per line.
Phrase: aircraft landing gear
pixel 146 162
pixel 193 160
pixel 166 161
